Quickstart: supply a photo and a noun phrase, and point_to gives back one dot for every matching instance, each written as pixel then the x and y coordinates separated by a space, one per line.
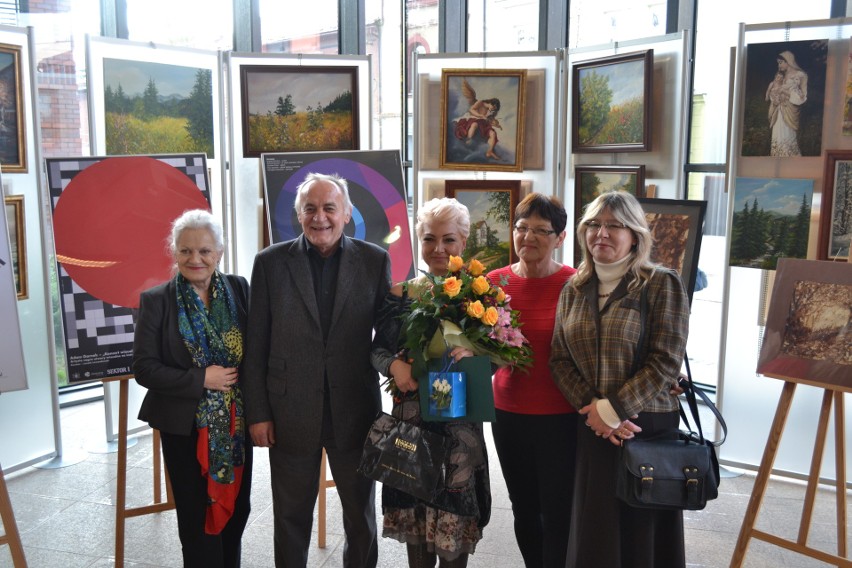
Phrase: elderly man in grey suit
pixel 307 378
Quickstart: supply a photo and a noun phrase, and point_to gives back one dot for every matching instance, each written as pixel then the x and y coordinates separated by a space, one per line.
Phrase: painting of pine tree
pixel 771 221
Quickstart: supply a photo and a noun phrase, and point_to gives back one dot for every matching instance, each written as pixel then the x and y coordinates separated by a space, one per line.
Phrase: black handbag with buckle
pixel 673 470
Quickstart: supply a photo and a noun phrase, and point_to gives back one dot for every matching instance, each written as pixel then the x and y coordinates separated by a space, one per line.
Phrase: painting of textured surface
pixel 809 324
pixel 676 231
pixel 818 325
pixel 670 233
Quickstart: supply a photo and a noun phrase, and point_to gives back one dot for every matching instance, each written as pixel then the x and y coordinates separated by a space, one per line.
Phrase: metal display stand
pixel 800 545
pixel 122 513
pixel 11 537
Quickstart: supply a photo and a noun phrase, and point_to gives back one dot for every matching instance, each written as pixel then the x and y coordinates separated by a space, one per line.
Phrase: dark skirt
pixel 607 533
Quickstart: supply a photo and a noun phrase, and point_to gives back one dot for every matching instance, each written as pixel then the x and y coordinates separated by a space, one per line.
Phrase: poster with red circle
pixel 111 221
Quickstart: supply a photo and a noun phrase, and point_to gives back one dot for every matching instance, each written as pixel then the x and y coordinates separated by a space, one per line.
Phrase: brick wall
pixel 61 94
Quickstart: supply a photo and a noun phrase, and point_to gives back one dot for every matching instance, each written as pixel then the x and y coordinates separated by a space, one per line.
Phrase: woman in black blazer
pixel 187 351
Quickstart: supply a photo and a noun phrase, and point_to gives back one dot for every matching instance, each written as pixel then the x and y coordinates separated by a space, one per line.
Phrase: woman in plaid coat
pixel 618 345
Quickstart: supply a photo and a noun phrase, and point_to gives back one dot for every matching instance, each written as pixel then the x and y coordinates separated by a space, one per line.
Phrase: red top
pixel 536 299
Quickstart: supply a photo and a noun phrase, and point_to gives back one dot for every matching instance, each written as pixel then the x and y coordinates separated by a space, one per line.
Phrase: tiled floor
pixel 66 515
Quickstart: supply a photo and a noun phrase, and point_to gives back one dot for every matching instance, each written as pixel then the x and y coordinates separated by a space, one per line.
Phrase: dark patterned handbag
pixel 405 457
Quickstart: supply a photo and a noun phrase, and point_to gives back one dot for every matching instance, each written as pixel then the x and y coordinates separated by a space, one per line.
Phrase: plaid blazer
pixel 593 350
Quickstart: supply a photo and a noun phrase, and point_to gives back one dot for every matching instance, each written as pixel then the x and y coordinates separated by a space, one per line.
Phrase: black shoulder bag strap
pixel 689 388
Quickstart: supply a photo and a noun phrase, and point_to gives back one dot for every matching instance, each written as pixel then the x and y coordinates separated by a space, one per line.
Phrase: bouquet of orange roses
pixel 470 311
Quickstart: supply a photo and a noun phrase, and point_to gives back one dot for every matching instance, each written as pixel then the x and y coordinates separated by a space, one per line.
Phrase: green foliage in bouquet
pixel 470 311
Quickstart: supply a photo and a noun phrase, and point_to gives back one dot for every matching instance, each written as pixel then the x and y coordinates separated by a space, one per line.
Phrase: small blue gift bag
pixel 448 392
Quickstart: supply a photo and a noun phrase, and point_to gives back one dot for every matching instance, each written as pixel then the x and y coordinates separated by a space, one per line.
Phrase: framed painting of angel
pixel 482 119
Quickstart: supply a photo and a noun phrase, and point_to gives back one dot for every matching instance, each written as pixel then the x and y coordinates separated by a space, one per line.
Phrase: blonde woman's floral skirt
pixel 446 534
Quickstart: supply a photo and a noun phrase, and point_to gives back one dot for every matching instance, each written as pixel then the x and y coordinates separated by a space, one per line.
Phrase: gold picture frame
pixel 17 242
pixel 483 119
pixel 13 147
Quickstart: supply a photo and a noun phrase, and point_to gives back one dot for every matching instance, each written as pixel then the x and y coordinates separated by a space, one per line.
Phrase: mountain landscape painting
pixel 155 108
pixel 771 221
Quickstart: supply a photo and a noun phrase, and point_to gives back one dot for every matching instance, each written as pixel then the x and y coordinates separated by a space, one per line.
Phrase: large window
pixel 202 24
pixel 596 22
pixel 286 27
pixel 502 25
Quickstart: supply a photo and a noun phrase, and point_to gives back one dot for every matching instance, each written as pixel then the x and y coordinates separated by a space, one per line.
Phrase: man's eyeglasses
pixel 596 226
pixel 523 230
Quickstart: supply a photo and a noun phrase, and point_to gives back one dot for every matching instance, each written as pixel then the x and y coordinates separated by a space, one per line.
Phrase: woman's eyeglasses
pixel 523 230
pixel 596 226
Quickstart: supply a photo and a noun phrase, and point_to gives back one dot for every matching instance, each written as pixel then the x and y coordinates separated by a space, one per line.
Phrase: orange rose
pixel 480 285
pixel 501 295
pixel 490 316
pixel 475 267
pixel 476 310
pixel 455 264
pixel 452 286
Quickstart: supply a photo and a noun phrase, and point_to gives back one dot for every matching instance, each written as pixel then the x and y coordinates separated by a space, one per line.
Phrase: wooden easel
pixel 323 485
pixel 122 513
pixel 800 545
pixel 12 538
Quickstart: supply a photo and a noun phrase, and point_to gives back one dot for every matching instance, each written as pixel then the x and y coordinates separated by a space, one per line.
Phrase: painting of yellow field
pixel 156 108
pixel 298 109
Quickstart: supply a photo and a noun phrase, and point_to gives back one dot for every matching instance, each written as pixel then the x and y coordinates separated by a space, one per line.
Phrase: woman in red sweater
pixel 536 429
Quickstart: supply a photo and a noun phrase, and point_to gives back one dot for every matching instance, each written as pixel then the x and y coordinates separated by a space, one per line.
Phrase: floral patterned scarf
pixel 213 337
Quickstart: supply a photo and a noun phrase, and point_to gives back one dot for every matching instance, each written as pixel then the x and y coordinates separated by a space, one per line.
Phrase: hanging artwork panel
pixel 835 213
pixel 142 102
pixel 483 119
pixel 771 220
pixel 13 147
pixel 492 218
pixel 299 108
pixel 784 98
pixel 18 243
pixel 592 181
pixel 111 222
pixel 376 188
pixel 611 103
pixel 13 373
pixel 676 227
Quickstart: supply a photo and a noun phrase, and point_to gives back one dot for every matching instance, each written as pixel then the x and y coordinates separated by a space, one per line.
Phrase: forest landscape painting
pixel 612 103
pixel 156 108
pixel 771 221
pixel 298 109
